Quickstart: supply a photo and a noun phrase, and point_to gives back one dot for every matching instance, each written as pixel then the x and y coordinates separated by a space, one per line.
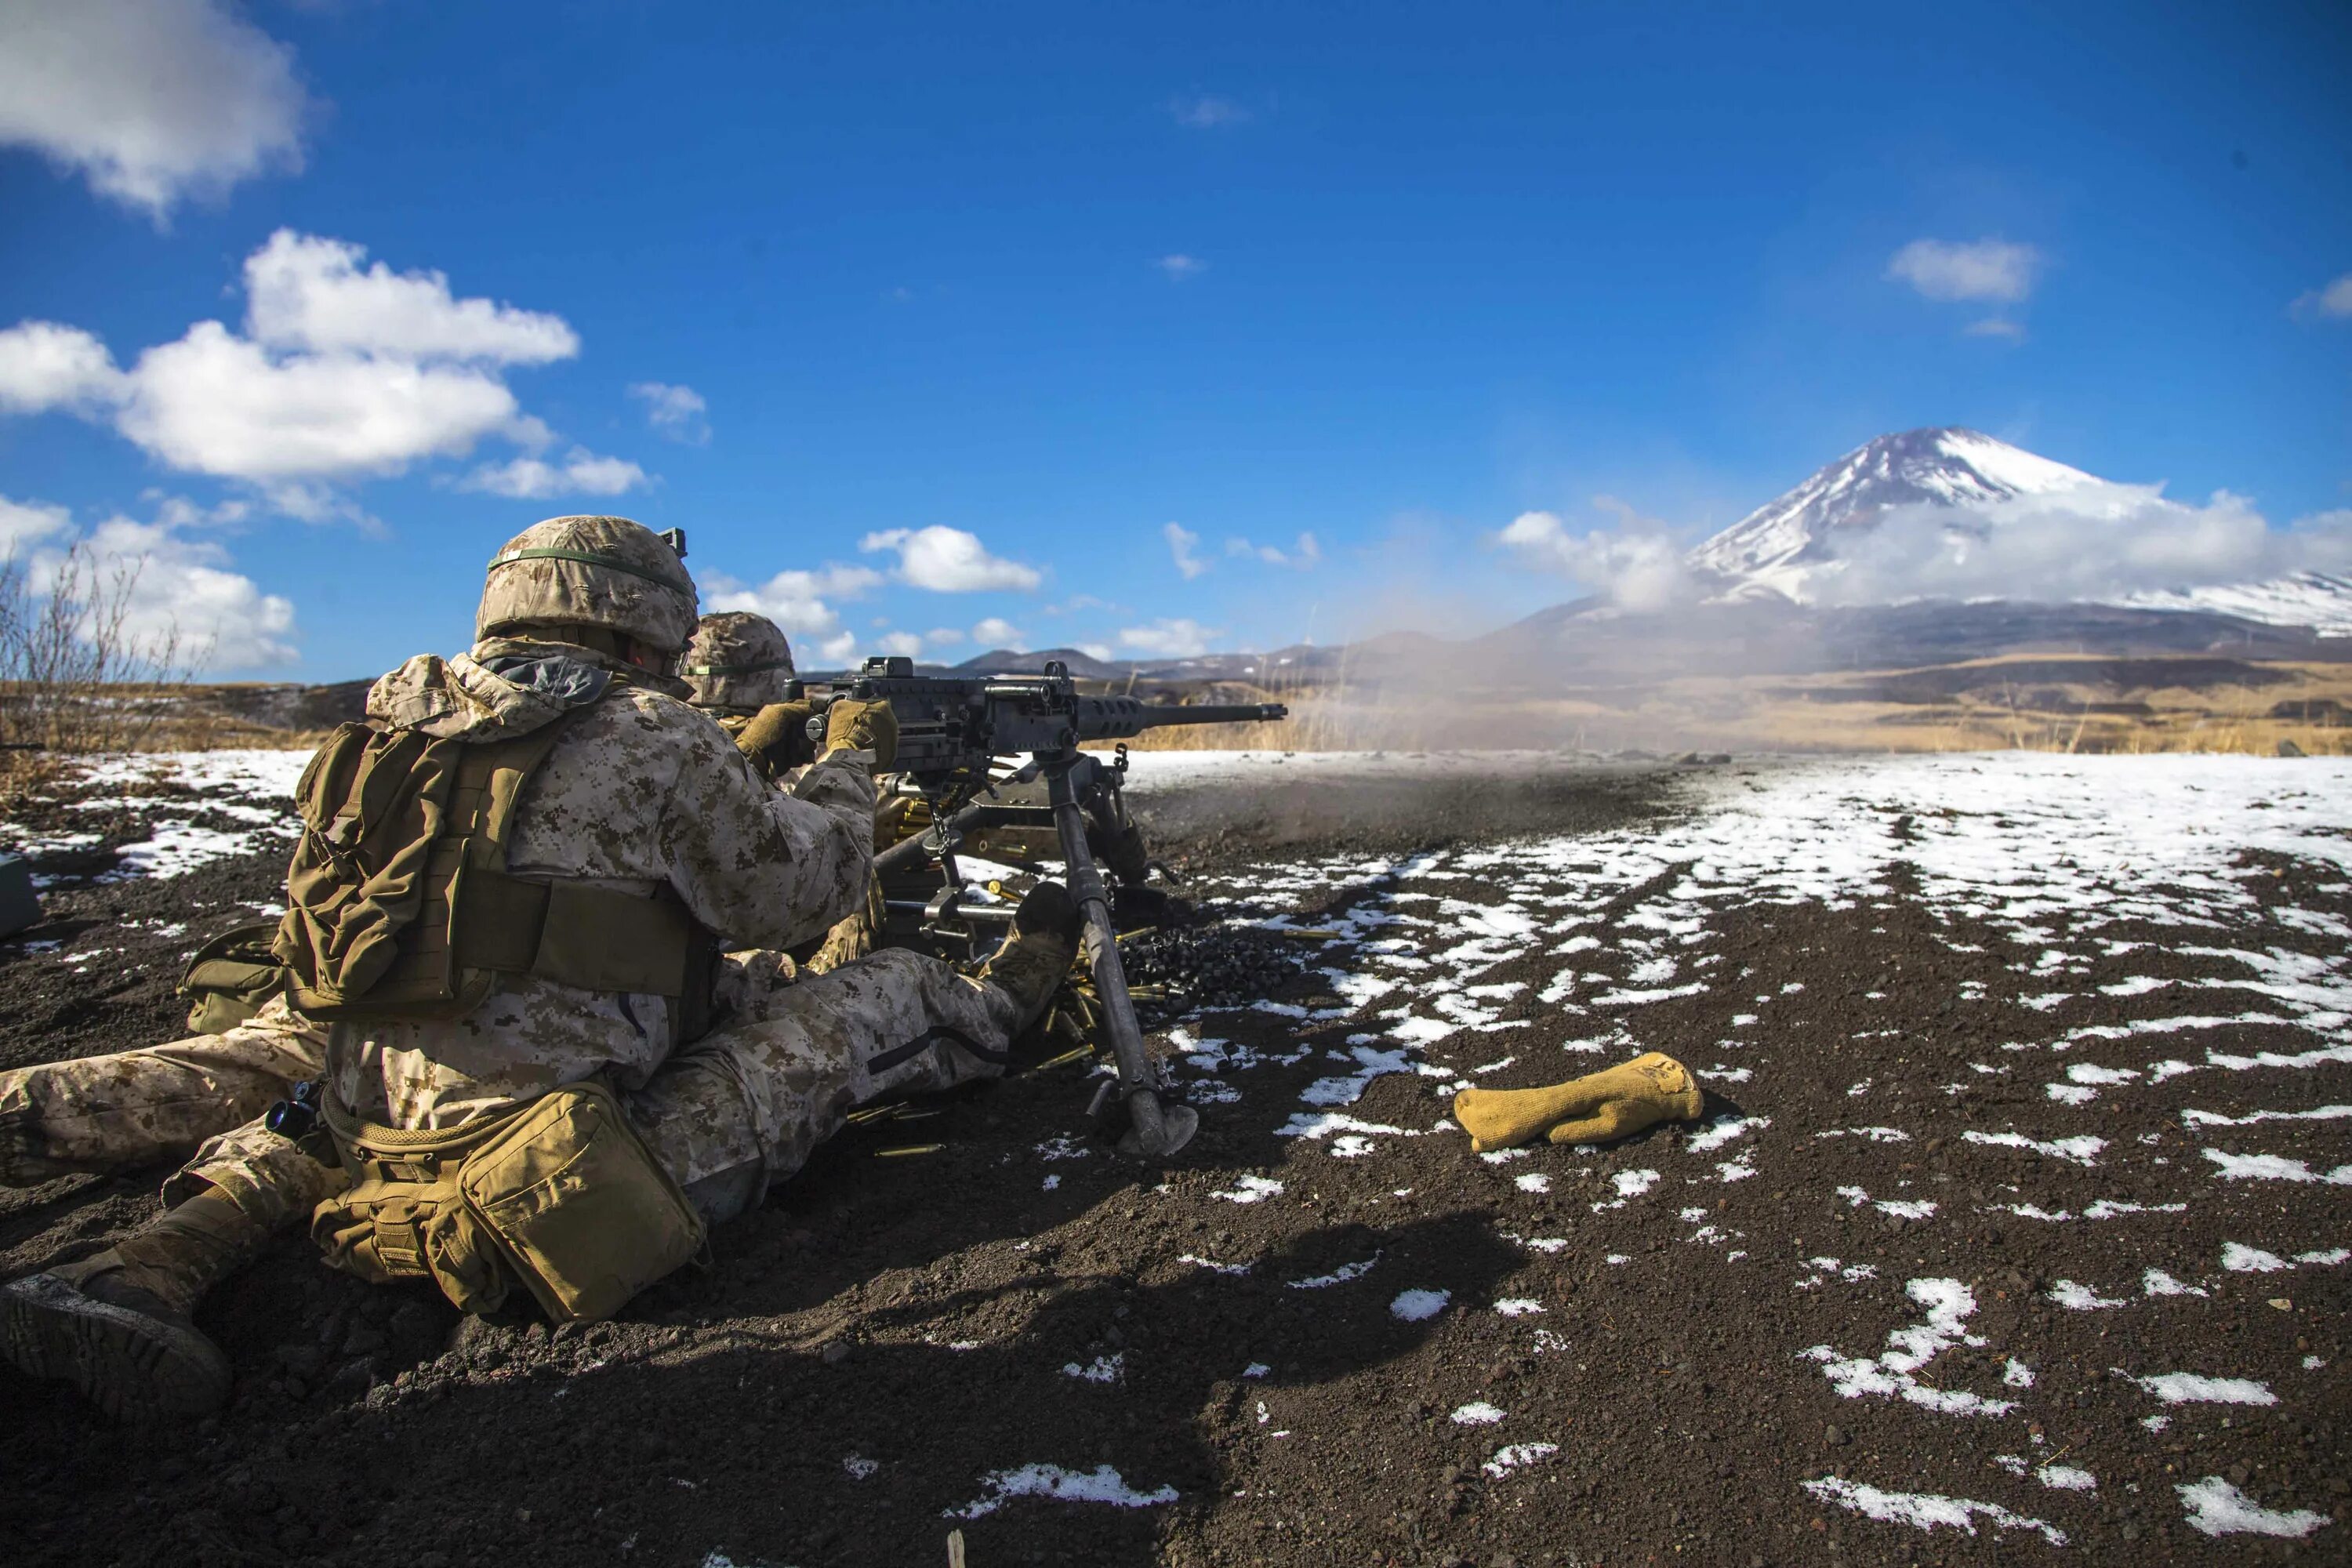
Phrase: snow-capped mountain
pixel 1781 545
pixel 2320 600
pixel 1781 550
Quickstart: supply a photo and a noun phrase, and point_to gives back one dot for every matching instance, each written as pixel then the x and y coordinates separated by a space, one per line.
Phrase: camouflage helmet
pixel 738 659
pixel 590 572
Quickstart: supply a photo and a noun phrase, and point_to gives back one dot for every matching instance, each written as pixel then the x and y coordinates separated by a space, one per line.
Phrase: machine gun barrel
pixel 1224 713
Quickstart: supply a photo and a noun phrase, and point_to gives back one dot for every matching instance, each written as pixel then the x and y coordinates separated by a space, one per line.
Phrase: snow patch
pixel 1251 1189
pixel 1414 1306
pixel 1926 1510
pixel 2189 1388
pixel 1949 1304
pixel 1518 1455
pixel 1102 1484
pixel 2216 1508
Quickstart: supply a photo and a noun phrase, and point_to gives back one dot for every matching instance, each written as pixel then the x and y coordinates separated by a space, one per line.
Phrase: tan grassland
pixel 2037 702
pixel 2040 702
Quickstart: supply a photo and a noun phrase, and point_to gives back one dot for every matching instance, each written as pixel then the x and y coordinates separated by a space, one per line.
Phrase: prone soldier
pixel 738 667
pixel 139 1107
pixel 506 906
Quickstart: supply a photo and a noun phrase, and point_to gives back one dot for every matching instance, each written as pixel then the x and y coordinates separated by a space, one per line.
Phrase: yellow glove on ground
pixel 777 737
pixel 1614 1103
pixel 862 727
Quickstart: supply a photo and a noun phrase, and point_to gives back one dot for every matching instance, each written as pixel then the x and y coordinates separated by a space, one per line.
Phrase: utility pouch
pixel 231 977
pixel 580 1209
pixel 383 1231
pixel 403 1216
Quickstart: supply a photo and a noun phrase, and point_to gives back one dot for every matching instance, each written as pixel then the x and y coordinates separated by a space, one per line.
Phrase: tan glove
pixel 1614 1103
pixel 862 727
pixel 777 737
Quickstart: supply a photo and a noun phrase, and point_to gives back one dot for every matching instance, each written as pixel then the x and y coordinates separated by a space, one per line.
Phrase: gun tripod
pixel 1079 790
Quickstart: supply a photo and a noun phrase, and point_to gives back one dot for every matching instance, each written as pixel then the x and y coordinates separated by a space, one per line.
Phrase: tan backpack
pixel 399 904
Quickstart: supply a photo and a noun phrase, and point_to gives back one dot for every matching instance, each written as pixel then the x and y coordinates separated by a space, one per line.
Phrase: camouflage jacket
pixel 641 790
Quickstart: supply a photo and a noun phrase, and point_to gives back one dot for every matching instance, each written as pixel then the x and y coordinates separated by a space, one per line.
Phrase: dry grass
pixel 2048 704
pixel 2052 703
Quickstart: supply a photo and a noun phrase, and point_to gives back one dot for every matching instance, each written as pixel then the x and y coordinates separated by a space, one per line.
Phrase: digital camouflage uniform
pixel 638 792
pixel 137 1108
pixel 739 663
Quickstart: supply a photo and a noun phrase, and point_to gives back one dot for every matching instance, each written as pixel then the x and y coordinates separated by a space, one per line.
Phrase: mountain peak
pixel 1774 548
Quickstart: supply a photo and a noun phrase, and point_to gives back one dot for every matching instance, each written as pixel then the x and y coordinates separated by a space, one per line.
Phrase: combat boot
pixel 1037 952
pixel 116 1325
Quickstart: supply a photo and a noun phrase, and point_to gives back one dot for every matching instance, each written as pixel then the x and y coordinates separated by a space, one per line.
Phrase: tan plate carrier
pixel 399 904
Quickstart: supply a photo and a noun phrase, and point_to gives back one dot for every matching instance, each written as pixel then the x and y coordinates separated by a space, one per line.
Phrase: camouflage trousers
pixel 139 1107
pixel 739 1109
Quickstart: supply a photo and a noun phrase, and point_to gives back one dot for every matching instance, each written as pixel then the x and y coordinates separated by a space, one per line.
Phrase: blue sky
pixel 970 304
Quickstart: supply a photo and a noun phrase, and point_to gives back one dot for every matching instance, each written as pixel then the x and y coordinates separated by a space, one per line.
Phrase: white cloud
pixel 44 365
pixel 950 561
pixel 909 644
pixel 795 600
pixel 1634 562
pixel 1992 269
pixel 22 522
pixel 342 373
pixel 1303 554
pixel 1179 267
pixel 1170 638
pixel 997 633
pixel 2097 541
pixel 214 403
pixel 2334 300
pixel 1996 327
pixel 153 100
pixel 1098 651
pixel 581 473
pixel 181 583
pixel 838 650
pixel 1204 111
pixel 677 412
pixel 307 293
pixel 944 637
pixel 841 581
pixel 1182 543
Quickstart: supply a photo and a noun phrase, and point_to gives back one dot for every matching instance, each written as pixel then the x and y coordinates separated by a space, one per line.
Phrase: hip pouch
pixel 582 1211
pixel 404 1215
pixel 560 1196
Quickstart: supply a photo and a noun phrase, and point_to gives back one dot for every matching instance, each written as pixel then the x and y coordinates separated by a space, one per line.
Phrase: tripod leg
pixel 1155 1130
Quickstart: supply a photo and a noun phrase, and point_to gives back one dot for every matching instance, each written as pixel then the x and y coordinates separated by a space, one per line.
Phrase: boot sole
pixel 131 1366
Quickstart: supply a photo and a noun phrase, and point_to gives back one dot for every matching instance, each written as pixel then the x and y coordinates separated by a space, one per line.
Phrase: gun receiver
pixel 949 730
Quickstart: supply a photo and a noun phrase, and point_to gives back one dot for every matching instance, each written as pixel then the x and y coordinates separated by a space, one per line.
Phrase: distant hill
pixel 1005 662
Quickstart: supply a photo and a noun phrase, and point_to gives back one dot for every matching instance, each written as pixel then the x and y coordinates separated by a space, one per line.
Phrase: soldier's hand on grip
pixel 777 737
pixel 865 727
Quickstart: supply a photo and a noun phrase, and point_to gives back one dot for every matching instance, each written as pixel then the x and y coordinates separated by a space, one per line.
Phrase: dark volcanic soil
pixel 856 1360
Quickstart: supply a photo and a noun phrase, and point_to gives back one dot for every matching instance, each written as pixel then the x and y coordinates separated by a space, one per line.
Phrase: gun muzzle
pixel 1207 713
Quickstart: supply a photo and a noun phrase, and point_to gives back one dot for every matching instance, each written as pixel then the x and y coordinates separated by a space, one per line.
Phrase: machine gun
pixel 951 729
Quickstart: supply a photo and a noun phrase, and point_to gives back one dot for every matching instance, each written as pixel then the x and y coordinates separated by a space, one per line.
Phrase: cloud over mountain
pixel 1957 514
